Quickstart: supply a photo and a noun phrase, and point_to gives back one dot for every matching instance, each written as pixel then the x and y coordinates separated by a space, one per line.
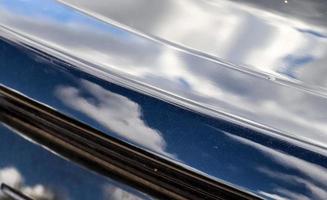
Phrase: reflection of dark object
pixel 312 33
pixel 293 63
pixel 13 194
pixel 107 155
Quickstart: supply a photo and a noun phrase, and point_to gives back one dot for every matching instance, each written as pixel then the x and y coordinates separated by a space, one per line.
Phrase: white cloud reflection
pixel 115 112
pixel 313 171
pixel 310 175
pixel 13 178
pixel 238 32
pixel 272 196
pixel 316 190
pixel 116 193
pixel 291 194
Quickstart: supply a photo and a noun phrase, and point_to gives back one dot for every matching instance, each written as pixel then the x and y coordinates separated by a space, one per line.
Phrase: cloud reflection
pixel 246 33
pixel 314 177
pixel 317 190
pixel 13 178
pixel 272 196
pixel 113 111
pixel 116 193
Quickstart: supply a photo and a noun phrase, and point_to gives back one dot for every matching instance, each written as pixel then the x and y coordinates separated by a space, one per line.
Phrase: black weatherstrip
pixel 107 155
pixel 13 193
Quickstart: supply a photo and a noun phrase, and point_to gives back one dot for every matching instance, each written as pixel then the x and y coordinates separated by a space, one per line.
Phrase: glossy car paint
pixel 245 158
pixel 284 39
pixel 205 85
pixel 261 132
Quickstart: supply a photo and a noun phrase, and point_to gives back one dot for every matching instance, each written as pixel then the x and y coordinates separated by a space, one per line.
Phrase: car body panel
pixel 221 150
pixel 257 131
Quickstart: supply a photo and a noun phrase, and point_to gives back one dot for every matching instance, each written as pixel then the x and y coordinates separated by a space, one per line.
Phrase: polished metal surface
pixel 285 39
pixel 251 82
pixel 277 106
pixel 223 151
pixel 33 171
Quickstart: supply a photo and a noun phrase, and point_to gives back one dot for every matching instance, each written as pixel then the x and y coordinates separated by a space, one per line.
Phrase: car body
pixel 178 99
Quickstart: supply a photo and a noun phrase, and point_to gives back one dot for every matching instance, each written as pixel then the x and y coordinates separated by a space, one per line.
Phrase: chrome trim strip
pixel 107 155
